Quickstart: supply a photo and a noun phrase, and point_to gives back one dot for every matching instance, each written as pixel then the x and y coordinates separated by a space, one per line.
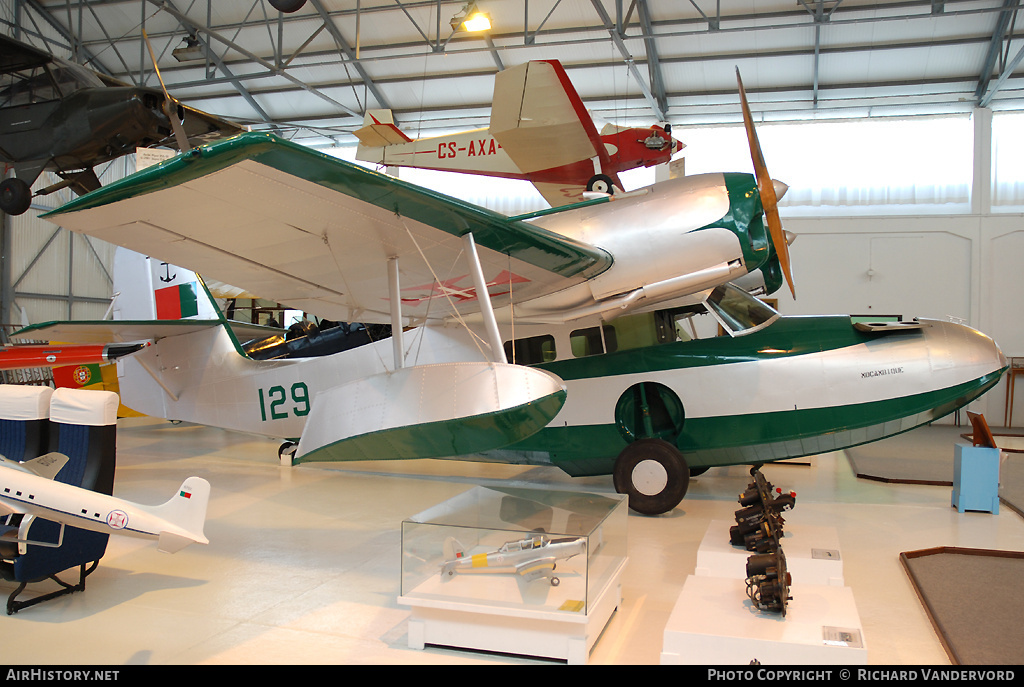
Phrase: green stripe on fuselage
pixel 747 438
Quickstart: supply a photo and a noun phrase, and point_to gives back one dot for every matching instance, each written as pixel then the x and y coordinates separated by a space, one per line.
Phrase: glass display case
pixel 543 559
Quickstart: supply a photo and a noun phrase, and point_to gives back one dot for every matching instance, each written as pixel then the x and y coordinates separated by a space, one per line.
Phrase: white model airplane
pixel 531 558
pixel 558 338
pixel 540 131
pixel 30 489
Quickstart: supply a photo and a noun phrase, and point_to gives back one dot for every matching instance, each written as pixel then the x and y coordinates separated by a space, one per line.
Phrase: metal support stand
pixel 13 606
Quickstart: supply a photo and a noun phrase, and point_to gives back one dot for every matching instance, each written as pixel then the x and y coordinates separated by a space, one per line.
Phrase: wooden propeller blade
pixel 766 189
pixel 170 104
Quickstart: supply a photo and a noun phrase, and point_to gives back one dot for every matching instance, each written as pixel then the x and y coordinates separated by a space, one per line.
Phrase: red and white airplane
pixel 540 131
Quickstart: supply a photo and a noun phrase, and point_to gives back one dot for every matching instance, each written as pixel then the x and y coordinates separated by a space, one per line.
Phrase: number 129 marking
pixel 276 397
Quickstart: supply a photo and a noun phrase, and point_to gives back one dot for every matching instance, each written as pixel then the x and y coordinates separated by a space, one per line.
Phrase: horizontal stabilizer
pixel 172 543
pixel 379 130
pixel 430 411
pixel 105 331
pixel 46 466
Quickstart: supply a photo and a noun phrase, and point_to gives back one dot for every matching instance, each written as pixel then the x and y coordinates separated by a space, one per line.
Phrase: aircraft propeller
pixel 170 105
pixel 766 189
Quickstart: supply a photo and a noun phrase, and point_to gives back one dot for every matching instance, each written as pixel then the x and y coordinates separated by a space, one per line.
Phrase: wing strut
pixel 484 296
pixel 396 313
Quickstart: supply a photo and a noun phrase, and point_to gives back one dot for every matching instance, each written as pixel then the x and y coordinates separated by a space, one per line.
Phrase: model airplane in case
pixel 29 489
pixel 557 338
pixel 531 558
pixel 540 132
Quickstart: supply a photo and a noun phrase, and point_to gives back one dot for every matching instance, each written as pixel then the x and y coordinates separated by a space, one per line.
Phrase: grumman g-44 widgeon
pixel 558 338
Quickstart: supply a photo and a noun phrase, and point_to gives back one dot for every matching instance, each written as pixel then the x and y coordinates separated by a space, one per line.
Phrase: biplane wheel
pixel 555 581
pixel 15 196
pixel 286 452
pixel 653 474
pixel 600 183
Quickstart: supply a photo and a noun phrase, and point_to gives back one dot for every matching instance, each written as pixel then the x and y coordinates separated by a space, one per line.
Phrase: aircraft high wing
pixel 64 118
pixel 319 234
pixel 540 131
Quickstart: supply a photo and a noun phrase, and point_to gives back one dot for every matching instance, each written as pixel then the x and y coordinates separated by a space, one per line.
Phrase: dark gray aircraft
pixel 64 118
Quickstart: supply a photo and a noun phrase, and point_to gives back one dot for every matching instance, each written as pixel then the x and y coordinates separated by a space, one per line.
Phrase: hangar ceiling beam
pixel 820 17
pixel 659 112
pixel 198 27
pixel 653 61
pixel 344 47
pixel 1003 24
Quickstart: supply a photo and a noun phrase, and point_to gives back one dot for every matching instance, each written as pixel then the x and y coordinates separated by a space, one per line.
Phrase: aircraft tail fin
pixel 146 289
pixel 453 552
pixel 379 130
pixel 186 511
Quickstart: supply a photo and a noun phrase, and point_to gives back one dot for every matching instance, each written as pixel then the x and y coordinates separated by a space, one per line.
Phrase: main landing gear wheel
pixel 653 474
pixel 600 183
pixel 15 196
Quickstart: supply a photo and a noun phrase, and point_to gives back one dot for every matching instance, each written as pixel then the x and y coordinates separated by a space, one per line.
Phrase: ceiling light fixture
pixel 190 50
pixel 471 19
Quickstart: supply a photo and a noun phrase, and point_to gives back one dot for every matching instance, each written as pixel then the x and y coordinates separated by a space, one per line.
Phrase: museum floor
pixel 303 563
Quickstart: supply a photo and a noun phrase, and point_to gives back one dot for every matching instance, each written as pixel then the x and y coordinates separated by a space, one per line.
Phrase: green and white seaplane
pixel 557 338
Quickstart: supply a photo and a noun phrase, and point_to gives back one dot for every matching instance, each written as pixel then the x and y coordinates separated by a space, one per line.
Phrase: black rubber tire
pixel 663 473
pixel 601 183
pixel 15 196
pixel 699 471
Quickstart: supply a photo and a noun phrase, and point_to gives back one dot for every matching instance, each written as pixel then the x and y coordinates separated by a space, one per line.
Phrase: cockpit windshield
pixel 737 311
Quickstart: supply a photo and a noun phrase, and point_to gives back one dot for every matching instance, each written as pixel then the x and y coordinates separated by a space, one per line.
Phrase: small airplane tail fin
pixel 453 552
pixel 379 130
pixel 186 510
pixel 453 549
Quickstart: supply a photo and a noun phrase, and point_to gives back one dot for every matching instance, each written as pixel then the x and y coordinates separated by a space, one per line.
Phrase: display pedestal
pixel 812 554
pixel 714 622
pixel 975 478
pixel 515 571
pixel 513 630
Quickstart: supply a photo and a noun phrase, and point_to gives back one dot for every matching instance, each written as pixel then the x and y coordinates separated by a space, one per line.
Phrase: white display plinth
pixel 514 629
pixel 714 622
pixel 812 554
pixel 532 572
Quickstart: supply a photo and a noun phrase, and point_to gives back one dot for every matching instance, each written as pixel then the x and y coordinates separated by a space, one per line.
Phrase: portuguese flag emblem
pixel 176 302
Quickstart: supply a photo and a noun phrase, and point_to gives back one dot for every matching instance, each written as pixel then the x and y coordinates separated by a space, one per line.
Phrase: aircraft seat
pixel 24 421
pixel 82 426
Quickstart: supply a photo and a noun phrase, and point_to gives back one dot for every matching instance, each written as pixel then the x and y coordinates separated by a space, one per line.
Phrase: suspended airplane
pixel 29 489
pixel 556 338
pixel 61 117
pixel 540 131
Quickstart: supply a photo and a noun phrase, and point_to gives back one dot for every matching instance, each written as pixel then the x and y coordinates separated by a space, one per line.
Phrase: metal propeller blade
pixel 766 189
pixel 170 104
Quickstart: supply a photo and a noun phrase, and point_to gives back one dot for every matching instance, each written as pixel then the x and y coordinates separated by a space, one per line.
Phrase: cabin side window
pixel 531 350
pixel 593 341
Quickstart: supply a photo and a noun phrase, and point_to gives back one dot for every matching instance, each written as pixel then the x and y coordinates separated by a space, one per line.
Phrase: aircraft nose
pixel 968 347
